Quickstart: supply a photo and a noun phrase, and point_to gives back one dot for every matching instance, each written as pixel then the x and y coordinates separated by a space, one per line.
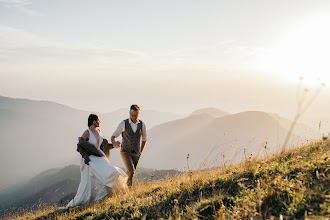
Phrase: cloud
pixel 23 6
pixel 223 47
pixel 228 54
pixel 18 46
pixel 33 51
pixel 15 3
pixel 15 37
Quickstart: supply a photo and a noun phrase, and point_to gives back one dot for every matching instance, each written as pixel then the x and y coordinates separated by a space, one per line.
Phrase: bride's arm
pixel 83 153
pixel 85 135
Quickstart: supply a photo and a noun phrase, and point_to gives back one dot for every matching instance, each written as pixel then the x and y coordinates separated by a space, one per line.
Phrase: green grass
pixel 294 184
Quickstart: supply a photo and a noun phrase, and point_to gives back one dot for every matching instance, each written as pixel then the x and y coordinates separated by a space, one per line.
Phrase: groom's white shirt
pixel 121 128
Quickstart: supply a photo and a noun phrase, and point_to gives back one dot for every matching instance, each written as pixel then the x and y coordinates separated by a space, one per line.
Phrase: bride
pixel 98 177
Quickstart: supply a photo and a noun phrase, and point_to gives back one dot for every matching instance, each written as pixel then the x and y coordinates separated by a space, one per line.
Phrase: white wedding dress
pixel 98 178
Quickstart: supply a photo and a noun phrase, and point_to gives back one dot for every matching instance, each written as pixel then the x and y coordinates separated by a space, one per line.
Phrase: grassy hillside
pixel 58 186
pixel 294 184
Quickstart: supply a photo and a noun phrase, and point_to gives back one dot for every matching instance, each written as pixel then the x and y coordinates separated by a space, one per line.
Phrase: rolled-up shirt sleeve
pixel 120 129
pixel 144 132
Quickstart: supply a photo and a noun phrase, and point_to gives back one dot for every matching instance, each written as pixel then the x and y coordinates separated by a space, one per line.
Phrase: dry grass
pixel 294 184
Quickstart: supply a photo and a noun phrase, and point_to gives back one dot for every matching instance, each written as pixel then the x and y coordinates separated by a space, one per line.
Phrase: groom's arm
pixel 144 138
pixel 120 129
pixel 143 144
pixel 115 144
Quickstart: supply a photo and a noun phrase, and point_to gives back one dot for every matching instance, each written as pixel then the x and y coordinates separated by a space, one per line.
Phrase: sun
pixel 303 51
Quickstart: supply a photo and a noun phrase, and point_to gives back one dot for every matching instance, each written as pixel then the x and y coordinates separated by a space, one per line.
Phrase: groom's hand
pixel 116 144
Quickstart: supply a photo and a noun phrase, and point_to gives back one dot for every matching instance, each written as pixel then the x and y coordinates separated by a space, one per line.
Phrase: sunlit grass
pixel 293 184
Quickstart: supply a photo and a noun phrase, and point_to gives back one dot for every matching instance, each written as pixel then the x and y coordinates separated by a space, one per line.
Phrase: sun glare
pixel 304 51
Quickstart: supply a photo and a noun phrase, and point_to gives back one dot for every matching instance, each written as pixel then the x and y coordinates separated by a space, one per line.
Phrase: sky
pixel 175 56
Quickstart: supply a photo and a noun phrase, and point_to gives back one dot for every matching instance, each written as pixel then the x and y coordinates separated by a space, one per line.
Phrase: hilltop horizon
pixel 193 111
pixel 206 109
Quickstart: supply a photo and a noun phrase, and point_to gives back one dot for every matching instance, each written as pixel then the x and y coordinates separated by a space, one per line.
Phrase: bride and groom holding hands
pixel 98 176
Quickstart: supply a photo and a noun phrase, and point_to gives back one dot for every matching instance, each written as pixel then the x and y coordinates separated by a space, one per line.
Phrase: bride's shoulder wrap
pixel 86 149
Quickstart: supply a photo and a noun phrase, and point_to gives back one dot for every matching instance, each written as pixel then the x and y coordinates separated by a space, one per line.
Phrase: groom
pixel 131 129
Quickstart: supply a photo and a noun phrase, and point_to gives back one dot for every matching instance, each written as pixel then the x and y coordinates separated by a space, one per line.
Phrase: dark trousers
pixel 130 161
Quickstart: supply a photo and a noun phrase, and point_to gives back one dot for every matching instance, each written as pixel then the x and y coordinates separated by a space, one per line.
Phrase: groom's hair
pixel 135 107
pixel 92 117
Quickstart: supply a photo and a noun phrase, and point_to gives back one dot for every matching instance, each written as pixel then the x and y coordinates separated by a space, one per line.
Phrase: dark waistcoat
pixel 131 140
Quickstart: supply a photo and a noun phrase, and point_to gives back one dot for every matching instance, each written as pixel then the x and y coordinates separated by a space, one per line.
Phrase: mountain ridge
pixel 173 141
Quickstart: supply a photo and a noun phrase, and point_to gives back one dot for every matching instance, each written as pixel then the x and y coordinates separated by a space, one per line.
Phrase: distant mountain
pixel 213 141
pixel 42 109
pixel 171 132
pixel 59 186
pixel 150 117
pixel 39 135
pixel 36 136
pixel 214 112
pixel 300 129
pixel 47 186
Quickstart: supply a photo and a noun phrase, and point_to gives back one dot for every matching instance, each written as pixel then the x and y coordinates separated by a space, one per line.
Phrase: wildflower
pixel 222 210
pixel 176 202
